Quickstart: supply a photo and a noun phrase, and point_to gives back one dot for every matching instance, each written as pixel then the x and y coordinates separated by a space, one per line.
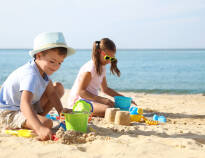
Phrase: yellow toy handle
pixel 135 118
pixel 21 133
pixel 138 118
pixel 150 122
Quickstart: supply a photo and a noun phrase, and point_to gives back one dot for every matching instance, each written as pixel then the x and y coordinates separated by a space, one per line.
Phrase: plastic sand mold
pixel 77 121
pixel 123 102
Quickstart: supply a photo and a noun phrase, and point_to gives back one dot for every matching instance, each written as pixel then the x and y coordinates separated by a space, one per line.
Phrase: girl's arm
pixel 105 89
pixel 83 84
pixel 110 91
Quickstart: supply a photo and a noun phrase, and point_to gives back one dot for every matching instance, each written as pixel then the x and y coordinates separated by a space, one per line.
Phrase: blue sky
pixel 129 23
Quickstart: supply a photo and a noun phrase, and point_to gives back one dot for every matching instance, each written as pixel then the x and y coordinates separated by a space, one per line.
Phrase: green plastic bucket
pixel 83 105
pixel 76 121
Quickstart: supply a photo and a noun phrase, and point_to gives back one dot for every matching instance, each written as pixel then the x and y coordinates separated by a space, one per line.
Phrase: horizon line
pixel 125 48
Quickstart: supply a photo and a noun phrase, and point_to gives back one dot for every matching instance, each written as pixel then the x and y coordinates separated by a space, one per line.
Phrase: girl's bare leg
pixel 99 109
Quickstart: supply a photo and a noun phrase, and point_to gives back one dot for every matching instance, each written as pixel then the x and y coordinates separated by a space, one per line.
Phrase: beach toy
pixel 155 117
pixel 62 124
pixel 77 121
pixel 150 122
pixel 110 114
pixel 62 121
pixel 122 102
pixel 21 133
pixel 161 118
pixel 62 117
pixel 53 116
pixel 136 115
pixel 136 118
pixel 54 138
pixel 135 110
pixel 122 118
pixel 26 133
pixel 83 105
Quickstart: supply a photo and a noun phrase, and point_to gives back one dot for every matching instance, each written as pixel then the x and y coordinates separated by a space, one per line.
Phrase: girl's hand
pixel 108 102
pixel 133 102
pixel 66 110
pixel 44 133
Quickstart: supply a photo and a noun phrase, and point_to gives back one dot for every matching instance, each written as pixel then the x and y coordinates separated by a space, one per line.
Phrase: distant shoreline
pixel 134 49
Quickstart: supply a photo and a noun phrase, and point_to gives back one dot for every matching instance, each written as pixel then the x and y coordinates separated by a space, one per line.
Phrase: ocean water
pixel 147 71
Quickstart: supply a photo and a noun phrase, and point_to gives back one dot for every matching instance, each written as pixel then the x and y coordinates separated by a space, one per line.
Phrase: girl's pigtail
pixel 114 69
pixel 96 57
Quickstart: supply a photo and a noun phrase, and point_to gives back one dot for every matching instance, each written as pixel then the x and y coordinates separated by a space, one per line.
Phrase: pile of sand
pixel 73 137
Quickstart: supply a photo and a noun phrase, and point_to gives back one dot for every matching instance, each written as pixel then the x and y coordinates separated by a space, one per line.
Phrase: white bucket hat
pixel 48 40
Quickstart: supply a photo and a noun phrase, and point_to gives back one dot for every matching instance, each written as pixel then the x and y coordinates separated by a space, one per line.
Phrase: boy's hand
pixel 44 133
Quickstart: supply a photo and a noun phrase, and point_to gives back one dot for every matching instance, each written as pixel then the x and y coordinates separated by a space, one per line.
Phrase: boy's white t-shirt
pixel 93 86
pixel 26 77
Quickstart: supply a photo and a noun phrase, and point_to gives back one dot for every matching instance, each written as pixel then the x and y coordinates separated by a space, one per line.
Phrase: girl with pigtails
pixel 92 77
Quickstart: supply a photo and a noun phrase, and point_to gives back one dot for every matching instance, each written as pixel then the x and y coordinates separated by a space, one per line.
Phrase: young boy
pixel 28 94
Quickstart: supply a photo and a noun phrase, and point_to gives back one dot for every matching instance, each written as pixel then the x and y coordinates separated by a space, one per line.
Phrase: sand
pixel 183 136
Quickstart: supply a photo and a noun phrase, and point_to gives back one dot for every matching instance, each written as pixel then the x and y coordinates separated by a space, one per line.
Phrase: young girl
pixel 92 76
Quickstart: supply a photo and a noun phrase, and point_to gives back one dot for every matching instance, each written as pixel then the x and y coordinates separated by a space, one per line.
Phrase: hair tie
pixel 97 42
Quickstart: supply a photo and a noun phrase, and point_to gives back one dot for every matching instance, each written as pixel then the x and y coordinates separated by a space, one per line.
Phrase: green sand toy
pixel 83 105
pixel 77 121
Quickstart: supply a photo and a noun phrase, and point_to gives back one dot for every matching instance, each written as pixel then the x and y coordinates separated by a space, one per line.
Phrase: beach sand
pixel 183 136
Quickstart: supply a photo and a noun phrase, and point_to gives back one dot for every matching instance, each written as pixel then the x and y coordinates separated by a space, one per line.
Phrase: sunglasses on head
pixel 106 57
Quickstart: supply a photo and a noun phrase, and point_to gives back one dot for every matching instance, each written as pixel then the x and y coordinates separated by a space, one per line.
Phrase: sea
pixel 169 71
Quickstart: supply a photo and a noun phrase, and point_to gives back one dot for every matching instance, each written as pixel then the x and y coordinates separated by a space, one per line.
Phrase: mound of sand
pixel 183 136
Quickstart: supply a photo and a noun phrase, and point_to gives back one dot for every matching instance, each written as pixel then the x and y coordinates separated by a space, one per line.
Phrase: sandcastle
pixel 122 118
pixel 114 115
pixel 110 114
